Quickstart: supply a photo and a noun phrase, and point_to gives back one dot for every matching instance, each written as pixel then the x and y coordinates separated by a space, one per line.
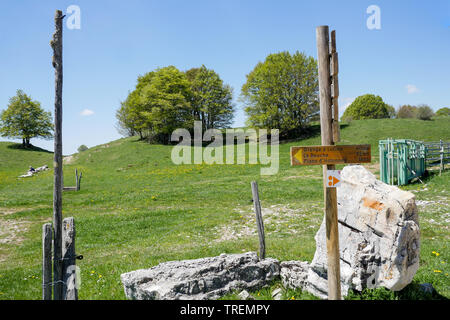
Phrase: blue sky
pixel 405 62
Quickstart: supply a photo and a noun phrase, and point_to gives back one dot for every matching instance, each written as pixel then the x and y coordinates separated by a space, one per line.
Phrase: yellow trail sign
pixel 321 155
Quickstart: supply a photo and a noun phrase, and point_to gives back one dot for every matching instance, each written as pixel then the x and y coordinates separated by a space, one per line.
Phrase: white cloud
pixel 411 88
pixel 87 112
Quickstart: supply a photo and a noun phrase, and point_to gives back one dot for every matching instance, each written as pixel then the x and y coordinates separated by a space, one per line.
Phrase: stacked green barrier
pixel 401 160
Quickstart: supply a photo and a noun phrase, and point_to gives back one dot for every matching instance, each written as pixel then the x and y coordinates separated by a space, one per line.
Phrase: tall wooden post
pixel 326 130
pixel 56 44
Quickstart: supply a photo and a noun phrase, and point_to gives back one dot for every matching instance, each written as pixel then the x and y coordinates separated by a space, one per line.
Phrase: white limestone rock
pixel 379 238
pixel 200 279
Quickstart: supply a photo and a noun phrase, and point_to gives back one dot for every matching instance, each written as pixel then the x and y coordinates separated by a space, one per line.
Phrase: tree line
pixel 371 106
pixel 280 92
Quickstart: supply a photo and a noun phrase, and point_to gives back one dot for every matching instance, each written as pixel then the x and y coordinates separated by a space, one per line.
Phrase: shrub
pixel 443 112
pixel 367 106
pixel 82 148
pixel 424 112
pixel 407 111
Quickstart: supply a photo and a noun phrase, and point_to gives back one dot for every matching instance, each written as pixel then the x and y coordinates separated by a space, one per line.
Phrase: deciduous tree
pixel 282 93
pixel 25 119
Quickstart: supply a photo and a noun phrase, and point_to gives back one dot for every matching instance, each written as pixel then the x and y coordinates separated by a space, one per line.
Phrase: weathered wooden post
pixel 76 179
pixel 259 220
pixel 47 261
pixel 330 195
pixel 56 44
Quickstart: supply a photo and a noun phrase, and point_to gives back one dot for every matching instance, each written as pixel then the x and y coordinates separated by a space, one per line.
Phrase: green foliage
pixel 407 111
pixel 443 112
pixel 391 111
pixel 211 99
pixel 158 105
pixel 367 106
pixel 371 294
pixel 82 148
pixel 167 99
pixel 165 102
pixel 25 119
pixel 424 112
pixel 282 93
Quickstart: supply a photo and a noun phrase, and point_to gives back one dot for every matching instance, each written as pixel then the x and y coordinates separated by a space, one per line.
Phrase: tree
pixel 165 103
pixel 211 99
pixel 367 106
pixel 282 93
pixel 25 119
pixel 443 112
pixel 391 111
pixel 158 105
pixel 167 99
pixel 424 112
pixel 407 111
pixel 82 148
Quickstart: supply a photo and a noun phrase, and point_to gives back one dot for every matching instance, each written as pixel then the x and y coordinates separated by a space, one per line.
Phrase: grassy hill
pixel 137 209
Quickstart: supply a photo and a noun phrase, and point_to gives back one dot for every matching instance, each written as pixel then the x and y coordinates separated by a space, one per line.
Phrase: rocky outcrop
pixel 199 279
pixel 379 239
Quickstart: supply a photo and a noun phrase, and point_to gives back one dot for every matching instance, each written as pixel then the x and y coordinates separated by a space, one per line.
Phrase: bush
pixel 82 148
pixel 424 112
pixel 443 112
pixel 407 111
pixel 367 106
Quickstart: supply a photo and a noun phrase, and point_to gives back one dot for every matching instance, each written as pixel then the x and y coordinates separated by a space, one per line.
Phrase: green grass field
pixel 136 209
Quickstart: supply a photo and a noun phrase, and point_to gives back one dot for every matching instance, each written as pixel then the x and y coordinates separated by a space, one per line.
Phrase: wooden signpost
pixel 329 154
pixel 322 155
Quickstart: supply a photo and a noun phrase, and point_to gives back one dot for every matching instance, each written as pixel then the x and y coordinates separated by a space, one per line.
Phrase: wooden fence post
pixel 259 221
pixel 56 44
pixel 330 195
pixel 47 261
pixel 70 290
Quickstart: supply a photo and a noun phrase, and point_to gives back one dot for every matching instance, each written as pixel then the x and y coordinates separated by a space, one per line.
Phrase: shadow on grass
pixel 19 146
pixel 309 132
pixel 425 178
